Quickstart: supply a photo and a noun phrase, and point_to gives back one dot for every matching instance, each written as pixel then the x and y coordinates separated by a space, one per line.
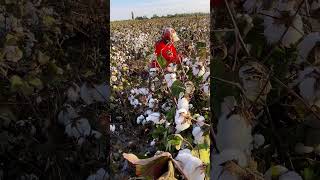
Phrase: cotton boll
pixel 315 5
pixel 78 128
pixel 73 93
pixel 152 103
pixel 96 134
pixel 200 121
pixel 274 30
pixel 154 117
pixel 206 76
pixel 170 79
pixel 228 104
pixel 206 89
pixel 290 176
pixel 306 45
pixel 67 114
pixel 234 133
pixel 198 69
pixel 191 165
pixel 307 81
pixel 101 174
pixel 198 135
pixel 302 149
pixel 112 127
pixel 153 142
pixel 231 154
pixel 140 119
pixel 183 103
pixel 181 125
pixel 153 72
pixel 251 5
pixel 258 140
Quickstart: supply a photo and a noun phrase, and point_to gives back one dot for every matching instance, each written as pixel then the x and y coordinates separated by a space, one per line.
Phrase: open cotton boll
pixel 198 69
pixel 140 119
pixel 180 122
pixel 274 28
pixel 67 114
pixel 228 104
pixel 206 89
pixel 308 79
pixel 205 77
pixel 79 128
pixel 155 118
pixel 251 6
pixel 113 78
pixel 191 165
pixel 153 72
pixel 153 142
pixel 183 103
pixel 200 120
pixel 101 174
pixel 198 135
pixel 170 78
pixel 300 148
pixel 290 176
pixel 306 45
pixel 152 103
pixel 112 127
pixel 97 93
pixel 234 133
pixel 258 140
pixel 73 93
pixel 231 154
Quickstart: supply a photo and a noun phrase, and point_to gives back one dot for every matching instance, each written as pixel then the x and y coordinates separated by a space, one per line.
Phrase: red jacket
pixel 168 51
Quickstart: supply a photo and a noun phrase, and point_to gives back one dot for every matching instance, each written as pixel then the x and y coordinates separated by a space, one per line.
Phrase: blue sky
pixel 121 9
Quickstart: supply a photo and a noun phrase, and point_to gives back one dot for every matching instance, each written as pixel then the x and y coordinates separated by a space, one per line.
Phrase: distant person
pixel 165 48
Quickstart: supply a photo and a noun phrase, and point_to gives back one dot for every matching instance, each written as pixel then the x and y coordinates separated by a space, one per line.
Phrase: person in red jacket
pixel 165 48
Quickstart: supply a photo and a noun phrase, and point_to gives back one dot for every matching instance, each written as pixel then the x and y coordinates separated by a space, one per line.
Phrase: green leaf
pixel 175 140
pixel 162 61
pixel 203 154
pixel 309 174
pixel 177 87
pixel 16 82
pixel 43 58
pixel 54 69
pixel 170 114
pixel 36 82
pixel 48 21
pixel 200 45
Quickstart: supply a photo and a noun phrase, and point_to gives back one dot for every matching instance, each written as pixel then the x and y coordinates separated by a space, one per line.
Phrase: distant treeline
pixel 155 16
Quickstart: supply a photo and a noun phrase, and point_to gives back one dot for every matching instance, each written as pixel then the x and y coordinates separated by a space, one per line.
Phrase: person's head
pixel 169 35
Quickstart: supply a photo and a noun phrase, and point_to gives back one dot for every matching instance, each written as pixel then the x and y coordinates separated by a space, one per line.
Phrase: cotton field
pixel 158 110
